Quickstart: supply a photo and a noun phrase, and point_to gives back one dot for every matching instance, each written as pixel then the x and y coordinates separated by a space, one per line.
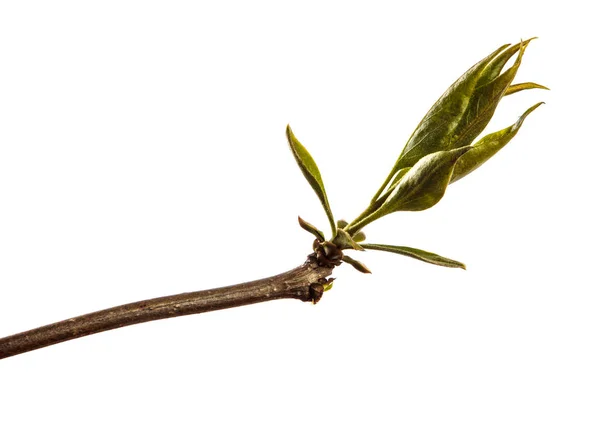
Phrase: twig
pixel 304 283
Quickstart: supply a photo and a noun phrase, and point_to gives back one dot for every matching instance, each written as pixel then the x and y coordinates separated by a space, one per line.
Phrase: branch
pixel 304 283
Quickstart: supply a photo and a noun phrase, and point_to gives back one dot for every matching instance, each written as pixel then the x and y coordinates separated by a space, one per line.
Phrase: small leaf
pixel 311 173
pixel 419 254
pixel 311 229
pixel 344 241
pixel 327 286
pixel 359 237
pixel 356 264
pixel 342 223
pixel 515 88
pixel 487 147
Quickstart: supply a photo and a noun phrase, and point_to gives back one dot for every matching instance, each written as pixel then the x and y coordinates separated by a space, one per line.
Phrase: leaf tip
pixel 534 107
pixel 519 122
pixel 311 229
pixel 515 88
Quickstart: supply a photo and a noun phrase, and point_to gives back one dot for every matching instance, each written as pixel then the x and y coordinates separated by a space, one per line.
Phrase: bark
pixel 304 283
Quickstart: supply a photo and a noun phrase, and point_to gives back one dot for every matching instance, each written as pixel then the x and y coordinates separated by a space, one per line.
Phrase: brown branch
pixel 304 283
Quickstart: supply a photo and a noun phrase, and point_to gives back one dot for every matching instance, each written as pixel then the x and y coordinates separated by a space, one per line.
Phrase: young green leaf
pixel 356 264
pixel 420 188
pixel 495 66
pixel 454 121
pixel 380 198
pixel 311 172
pixel 328 285
pixel 487 147
pixel 437 127
pixel 359 237
pixel 419 254
pixel 425 183
pixel 342 223
pixel 515 88
pixel 461 113
pixel 311 229
pixel 482 105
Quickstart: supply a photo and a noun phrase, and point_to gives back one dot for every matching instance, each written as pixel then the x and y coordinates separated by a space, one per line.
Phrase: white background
pixel 143 153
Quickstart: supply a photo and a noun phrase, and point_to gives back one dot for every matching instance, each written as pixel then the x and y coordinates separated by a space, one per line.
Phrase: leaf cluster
pixel 441 150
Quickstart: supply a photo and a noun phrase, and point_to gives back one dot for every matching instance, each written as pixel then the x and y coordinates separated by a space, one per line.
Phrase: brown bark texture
pixel 304 283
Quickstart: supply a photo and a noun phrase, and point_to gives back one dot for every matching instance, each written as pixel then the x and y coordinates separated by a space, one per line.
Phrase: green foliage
pixel 441 150
pixel 515 88
pixel 342 223
pixel 328 285
pixel 311 172
pixel 425 183
pixel 468 104
pixel 487 147
pixel 463 111
pixel 344 241
pixel 419 254
pixel 356 264
pixel 311 229
pixel 420 188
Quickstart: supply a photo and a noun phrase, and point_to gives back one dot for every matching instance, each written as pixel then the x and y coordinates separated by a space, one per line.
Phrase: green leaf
pixel 391 188
pixel 419 254
pixel 356 264
pixel 311 229
pixel 456 119
pixel 424 184
pixel 311 173
pixel 515 88
pixel 487 147
pixel 435 131
pixel 420 188
pixel 482 105
pixel 342 223
pixel 495 66
pixel 359 237
pixel 378 201
pixel 463 111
